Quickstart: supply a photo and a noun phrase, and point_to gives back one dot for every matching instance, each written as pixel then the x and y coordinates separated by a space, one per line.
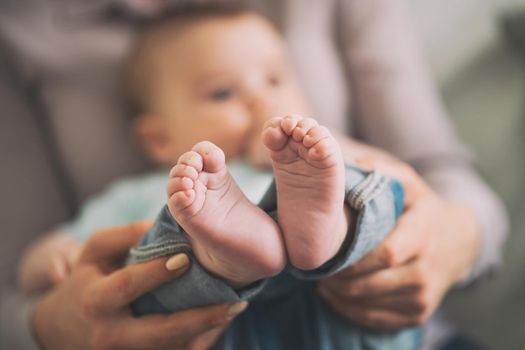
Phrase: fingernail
pixel 236 309
pixel 177 262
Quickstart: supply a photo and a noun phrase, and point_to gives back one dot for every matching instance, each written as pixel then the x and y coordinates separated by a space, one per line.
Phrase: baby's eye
pixel 221 94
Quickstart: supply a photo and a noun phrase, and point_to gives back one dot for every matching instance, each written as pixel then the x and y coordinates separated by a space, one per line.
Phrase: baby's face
pixel 220 80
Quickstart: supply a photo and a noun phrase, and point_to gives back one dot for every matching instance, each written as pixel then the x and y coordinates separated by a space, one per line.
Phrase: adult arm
pixel 402 281
pixel 31 200
pixel 453 227
pixel 398 109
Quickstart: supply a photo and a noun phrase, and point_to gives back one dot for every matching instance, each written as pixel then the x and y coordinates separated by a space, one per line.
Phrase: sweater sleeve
pixel 397 107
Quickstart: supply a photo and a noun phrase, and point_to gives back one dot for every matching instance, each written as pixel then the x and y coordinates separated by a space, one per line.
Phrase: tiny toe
pixel 182 199
pixel 273 123
pixel 302 128
pixel 213 157
pixel 323 149
pixel 289 123
pixel 314 135
pixel 273 136
pixel 192 159
pixel 177 184
pixel 316 153
pixel 183 170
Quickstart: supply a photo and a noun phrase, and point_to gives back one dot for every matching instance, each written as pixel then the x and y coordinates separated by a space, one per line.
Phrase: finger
pixel 178 329
pixel 414 185
pixel 408 301
pixel 376 318
pixel 123 286
pixel 371 158
pixel 402 245
pixel 206 340
pixel 404 278
pixel 112 244
pixel 412 182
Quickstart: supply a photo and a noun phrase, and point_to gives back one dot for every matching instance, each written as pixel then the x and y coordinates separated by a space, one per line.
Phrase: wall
pixel 455 32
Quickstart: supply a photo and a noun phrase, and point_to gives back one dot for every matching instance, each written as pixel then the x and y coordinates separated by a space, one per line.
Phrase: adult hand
pixel 47 262
pixel 89 310
pixel 402 281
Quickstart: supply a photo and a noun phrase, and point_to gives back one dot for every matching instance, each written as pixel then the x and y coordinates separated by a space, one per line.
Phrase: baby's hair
pixel 138 74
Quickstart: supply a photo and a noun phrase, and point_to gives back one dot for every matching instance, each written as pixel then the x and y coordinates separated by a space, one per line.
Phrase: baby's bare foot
pixel 310 180
pixel 230 236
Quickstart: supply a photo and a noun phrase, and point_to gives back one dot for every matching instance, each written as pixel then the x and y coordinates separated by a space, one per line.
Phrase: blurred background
pixel 477 55
pixel 476 49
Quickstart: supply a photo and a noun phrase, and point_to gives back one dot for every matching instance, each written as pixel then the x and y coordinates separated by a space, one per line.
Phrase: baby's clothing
pixel 285 312
pixel 377 200
pixel 142 197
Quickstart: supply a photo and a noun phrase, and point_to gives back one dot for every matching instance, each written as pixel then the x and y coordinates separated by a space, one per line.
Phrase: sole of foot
pixel 310 180
pixel 230 236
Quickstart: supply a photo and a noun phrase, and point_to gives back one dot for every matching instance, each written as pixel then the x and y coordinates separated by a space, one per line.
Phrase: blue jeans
pixel 285 311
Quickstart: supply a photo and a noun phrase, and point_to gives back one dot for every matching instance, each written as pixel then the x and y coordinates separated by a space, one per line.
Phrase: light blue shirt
pixel 142 197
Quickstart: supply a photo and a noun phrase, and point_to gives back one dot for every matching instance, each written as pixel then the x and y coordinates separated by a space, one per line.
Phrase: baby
pixel 205 86
pixel 223 76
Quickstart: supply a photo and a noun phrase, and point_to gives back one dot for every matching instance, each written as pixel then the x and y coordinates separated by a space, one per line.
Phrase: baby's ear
pixel 151 133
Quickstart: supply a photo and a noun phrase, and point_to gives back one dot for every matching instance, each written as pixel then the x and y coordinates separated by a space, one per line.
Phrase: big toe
pixel 273 135
pixel 213 157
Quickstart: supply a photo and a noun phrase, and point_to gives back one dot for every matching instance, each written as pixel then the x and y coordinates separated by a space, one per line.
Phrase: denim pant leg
pixel 300 319
pixel 377 200
pixel 196 287
pixel 285 312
